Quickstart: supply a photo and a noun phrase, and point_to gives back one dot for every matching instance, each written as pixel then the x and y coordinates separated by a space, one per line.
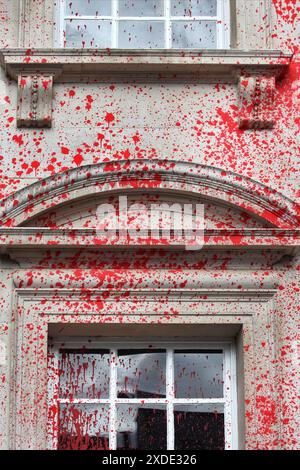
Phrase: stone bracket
pixel 34 100
pixel 256 102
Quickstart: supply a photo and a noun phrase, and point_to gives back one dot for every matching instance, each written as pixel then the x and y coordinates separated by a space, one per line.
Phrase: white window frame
pixel 222 23
pixel 229 399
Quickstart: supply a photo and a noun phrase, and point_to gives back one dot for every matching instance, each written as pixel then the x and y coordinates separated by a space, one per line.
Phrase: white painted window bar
pixel 208 31
pixel 227 401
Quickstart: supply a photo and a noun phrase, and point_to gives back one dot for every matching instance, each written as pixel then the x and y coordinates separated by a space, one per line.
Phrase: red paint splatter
pixel 65 150
pixel 78 159
pixel 18 139
pixel 109 117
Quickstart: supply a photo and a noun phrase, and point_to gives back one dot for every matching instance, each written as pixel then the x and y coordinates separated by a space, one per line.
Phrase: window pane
pixel 141 7
pixel 141 374
pixel 194 34
pixel 84 375
pixel 198 374
pixel 199 427
pixel 88 33
pixel 141 426
pixel 194 7
pixel 88 7
pixel 141 34
pixel 83 427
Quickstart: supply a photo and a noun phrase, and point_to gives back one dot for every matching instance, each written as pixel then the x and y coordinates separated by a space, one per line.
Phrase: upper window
pixel 144 24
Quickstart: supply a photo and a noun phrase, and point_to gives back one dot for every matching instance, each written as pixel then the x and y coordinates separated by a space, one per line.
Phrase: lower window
pixel 140 395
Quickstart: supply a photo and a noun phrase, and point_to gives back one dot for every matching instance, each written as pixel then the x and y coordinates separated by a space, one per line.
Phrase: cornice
pixel 75 64
pixel 150 295
pixel 27 238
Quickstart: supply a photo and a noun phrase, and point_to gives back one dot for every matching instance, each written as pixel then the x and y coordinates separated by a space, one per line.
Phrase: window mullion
pixel 168 29
pixel 115 23
pixel 83 401
pixel 227 378
pixel 220 24
pixel 87 18
pixel 62 23
pixel 113 396
pixel 233 394
pixel 226 24
pixel 53 391
pixel 170 398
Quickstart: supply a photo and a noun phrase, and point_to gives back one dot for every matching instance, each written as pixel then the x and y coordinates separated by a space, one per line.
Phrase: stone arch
pixel 204 181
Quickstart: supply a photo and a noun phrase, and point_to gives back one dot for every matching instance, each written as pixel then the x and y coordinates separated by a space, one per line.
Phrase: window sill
pixel 78 64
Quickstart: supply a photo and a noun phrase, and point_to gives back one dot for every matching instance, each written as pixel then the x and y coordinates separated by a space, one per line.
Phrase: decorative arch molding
pixel 194 179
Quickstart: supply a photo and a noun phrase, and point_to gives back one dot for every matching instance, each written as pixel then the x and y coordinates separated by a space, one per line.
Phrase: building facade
pixel 142 341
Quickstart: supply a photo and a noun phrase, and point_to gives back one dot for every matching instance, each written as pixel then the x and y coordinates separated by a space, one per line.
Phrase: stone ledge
pixel 76 64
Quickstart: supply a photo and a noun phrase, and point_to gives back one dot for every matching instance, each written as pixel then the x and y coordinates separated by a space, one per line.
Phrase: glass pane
pixel 194 7
pixel 199 427
pixel 88 33
pixel 88 7
pixel 83 427
pixel 84 374
pixel 198 374
pixel 194 34
pixel 141 34
pixel 141 7
pixel 141 374
pixel 141 426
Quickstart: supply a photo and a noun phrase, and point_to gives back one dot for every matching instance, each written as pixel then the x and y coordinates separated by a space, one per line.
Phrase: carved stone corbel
pixel 34 100
pixel 256 102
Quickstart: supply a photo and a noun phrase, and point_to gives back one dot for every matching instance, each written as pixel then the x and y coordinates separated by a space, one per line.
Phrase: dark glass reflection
pixel 83 427
pixel 141 427
pixel 198 374
pixel 141 373
pixel 199 427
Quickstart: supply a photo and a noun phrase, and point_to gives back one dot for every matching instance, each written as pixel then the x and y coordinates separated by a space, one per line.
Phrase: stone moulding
pixel 154 175
pixel 40 237
pixel 254 71
pixel 197 287
pixel 44 304
pixel 151 295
